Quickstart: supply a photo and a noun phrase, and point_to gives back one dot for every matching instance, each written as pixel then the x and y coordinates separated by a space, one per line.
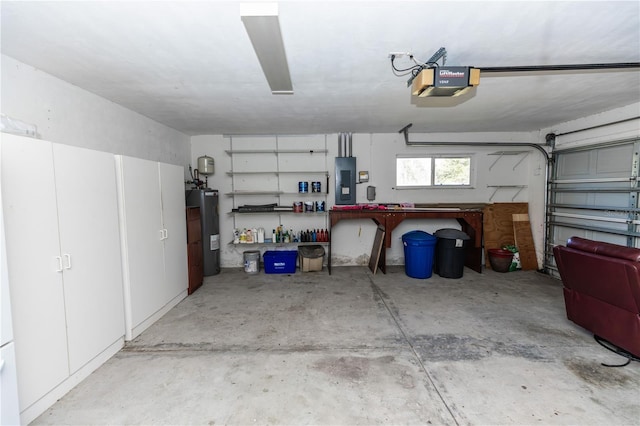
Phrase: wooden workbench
pixel 470 220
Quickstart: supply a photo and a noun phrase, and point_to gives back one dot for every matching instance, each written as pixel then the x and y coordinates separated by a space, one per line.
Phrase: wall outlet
pixel 399 55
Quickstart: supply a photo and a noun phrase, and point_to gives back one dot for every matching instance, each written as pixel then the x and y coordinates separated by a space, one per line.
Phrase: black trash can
pixel 450 252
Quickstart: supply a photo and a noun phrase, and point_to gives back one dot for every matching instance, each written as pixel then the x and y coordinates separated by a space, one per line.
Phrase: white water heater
pixel 205 165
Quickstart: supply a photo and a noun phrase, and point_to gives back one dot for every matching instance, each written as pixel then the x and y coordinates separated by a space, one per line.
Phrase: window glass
pixel 452 171
pixel 413 171
pixel 442 170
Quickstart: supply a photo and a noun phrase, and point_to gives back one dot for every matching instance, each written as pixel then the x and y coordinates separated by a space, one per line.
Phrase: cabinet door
pixel 90 245
pixel 141 215
pixel 173 216
pixel 31 230
pixel 194 258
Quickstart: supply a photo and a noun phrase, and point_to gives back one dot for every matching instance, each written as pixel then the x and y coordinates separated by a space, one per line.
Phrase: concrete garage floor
pixel 353 348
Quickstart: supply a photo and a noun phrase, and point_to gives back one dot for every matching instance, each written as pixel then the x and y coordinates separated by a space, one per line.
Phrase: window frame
pixel 433 158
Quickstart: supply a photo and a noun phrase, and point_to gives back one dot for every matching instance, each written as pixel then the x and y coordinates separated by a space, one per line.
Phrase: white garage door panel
pixel 614 162
pixel 594 195
pixel 573 166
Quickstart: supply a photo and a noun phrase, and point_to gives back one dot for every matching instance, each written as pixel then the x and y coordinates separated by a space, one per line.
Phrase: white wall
pixel 352 240
pixel 379 157
pixel 376 153
pixel 582 133
pixel 66 114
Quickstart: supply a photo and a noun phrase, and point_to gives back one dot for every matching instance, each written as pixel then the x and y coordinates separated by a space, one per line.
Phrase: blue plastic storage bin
pixel 280 261
pixel 419 249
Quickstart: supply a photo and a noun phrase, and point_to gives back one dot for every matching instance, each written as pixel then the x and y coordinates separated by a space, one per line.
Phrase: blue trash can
pixel 419 248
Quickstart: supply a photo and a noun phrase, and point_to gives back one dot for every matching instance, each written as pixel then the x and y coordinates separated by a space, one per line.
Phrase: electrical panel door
pixel 345 180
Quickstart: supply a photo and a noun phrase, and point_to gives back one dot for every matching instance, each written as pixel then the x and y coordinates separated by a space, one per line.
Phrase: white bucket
pixel 251 261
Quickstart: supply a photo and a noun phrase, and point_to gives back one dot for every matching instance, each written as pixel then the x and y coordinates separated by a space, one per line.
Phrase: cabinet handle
pixel 59 259
pixel 161 234
pixel 166 233
pixel 67 257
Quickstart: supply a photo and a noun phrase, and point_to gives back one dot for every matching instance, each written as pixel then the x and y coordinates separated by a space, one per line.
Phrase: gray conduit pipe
pixel 550 138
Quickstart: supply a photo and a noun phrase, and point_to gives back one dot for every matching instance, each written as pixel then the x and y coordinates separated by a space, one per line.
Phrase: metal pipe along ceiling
pixel 405 132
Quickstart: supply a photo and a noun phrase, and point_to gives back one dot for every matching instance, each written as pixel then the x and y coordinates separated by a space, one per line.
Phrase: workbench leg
pixel 473 258
pixel 329 255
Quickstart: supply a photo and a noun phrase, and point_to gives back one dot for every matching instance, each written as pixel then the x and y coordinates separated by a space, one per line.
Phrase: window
pixel 445 170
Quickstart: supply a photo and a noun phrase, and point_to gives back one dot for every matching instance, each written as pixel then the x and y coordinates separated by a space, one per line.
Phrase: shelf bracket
pixel 521 160
pixel 501 154
pixel 498 187
pixel 496 160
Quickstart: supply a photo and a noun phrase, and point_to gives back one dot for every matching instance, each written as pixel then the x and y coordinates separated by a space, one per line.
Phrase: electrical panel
pixel 345 180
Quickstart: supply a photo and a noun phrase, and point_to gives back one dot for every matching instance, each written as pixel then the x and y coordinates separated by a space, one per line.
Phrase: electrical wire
pixel 619 351
pixel 415 69
pixel 425 64
pixel 400 72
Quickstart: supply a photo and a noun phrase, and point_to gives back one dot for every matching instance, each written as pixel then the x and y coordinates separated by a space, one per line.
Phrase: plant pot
pixel 500 260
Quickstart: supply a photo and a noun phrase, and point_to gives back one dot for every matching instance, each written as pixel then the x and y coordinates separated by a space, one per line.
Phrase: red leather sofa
pixel 602 289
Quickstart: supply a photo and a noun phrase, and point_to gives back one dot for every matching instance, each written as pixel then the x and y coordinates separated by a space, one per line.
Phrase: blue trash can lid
pixel 451 234
pixel 418 236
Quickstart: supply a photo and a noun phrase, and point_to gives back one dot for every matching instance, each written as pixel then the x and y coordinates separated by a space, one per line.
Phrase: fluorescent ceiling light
pixel 261 22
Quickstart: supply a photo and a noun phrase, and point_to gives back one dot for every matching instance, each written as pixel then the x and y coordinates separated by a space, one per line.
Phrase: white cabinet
pixel 9 404
pixel 154 242
pixel 65 274
pixel 175 225
pixel 88 223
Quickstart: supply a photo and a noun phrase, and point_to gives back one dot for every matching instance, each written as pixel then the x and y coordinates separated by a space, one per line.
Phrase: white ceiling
pixel 190 65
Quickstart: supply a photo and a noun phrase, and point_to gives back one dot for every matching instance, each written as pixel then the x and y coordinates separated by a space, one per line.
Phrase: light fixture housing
pixel 263 27
pixel 445 81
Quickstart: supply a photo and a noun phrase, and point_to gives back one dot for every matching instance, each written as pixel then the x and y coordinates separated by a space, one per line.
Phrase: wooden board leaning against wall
pixel 498 231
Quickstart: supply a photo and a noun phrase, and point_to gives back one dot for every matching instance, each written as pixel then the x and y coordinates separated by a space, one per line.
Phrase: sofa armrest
pixel 609 279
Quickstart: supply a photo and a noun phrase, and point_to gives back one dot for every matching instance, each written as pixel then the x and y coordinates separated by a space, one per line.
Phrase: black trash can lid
pixel 451 234
pixel 311 252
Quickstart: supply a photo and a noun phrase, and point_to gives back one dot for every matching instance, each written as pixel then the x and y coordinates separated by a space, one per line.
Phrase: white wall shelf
pixel 276 152
pixel 498 187
pixel 271 173
pixel 248 193
pixel 501 154
pixel 280 172
pixel 276 193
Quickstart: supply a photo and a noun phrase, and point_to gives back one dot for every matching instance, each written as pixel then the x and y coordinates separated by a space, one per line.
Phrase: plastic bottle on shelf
pixel 273 236
pixel 243 236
